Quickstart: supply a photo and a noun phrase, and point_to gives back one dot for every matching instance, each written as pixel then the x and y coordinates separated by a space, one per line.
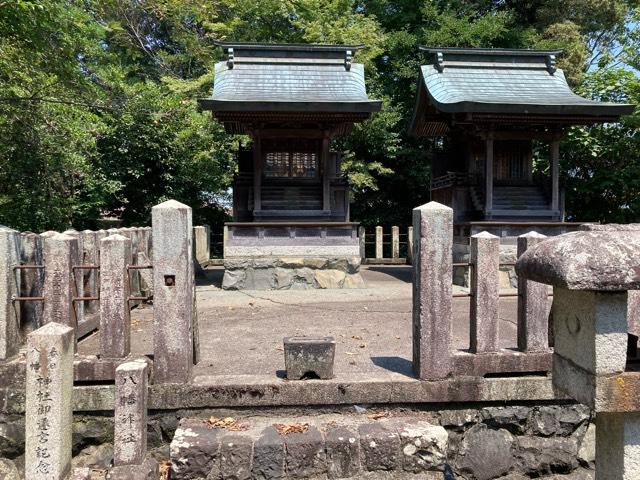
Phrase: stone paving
pixel 241 332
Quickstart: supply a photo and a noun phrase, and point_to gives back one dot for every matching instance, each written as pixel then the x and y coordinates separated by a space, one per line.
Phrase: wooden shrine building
pixel 289 197
pixel 495 111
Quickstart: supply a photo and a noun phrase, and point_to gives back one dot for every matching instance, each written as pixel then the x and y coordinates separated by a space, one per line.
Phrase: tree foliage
pixel 98 112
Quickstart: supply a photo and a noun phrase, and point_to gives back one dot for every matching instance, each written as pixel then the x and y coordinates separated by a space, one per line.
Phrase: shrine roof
pixel 289 78
pixel 503 82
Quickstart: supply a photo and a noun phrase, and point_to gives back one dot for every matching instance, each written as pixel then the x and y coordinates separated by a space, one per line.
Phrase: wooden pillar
pixel 555 174
pixel 257 174
pixel 326 174
pixel 488 176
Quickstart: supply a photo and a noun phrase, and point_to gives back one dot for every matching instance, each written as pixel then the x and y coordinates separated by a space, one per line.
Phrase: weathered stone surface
pixel 533 304
pixel 78 274
pixel 49 413
pixel 236 455
pixel 130 438
pixel 485 256
pixel 343 452
pixel 555 420
pixel 601 261
pixel 617 446
pixel 115 320
pixel 457 419
pixel 11 436
pixel 308 357
pixel 330 278
pixel 9 311
pixel 201 243
pixel 540 456
pixel 486 453
pixel 305 454
pixel 424 446
pixel 590 330
pixel 60 253
pixel 379 447
pixel 195 451
pixel 587 446
pixel 90 256
pixel 174 292
pixel 146 275
pixel 512 419
pixel 433 232
pixel 148 470
pixel 268 456
pixel 8 470
pixel 90 430
pixel 31 282
pixel 94 456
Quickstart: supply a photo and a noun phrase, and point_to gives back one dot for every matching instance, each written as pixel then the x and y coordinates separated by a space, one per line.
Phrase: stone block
pixel 49 413
pixel 236 455
pixel 130 413
pixel 201 241
pixel 540 456
pixel 9 282
pixel 485 257
pixel 590 329
pixel 485 454
pixel 424 446
pixel 31 282
pixel 115 320
pixel 148 470
pixel 174 292
pixel 194 451
pixel 306 456
pixel 379 447
pixel 343 452
pixel 432 291
pixel 309 357
pixel 269 456
pixel 78 274
pixel 329 278
pixel 617 445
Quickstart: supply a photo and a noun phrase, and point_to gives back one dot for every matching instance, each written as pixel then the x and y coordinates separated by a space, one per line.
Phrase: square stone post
pixel 115 320
pixel 9 283
pixel 130 413
pixel 49 412
pixel 395 242
pixel 31 282
pixel 410 245
pixel 60 253
pixel 201 241
pixel 379 242
pixel 618 446
pixel 90 253
pixel 533 304
pixel 485 281
pixel 432 290
pixel 78 274
pixel 362 239
pixel 174 292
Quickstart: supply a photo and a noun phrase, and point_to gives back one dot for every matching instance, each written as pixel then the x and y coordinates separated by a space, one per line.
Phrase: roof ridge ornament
pixel 439 62
pixel 230 57
pixel 348 55
pixel 551 63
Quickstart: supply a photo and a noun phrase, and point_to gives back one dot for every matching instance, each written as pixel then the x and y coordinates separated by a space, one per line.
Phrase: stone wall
pixel 510 442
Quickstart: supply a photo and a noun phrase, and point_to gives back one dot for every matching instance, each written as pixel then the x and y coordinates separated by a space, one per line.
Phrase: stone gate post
pixel 432 290
pixel 591 273
pixel 174 292
pixel 9 282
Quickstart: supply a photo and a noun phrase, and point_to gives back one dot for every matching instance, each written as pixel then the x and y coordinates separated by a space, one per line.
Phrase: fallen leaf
pixel 378 415
pixel 286 429
pixel 165 466
pixel 228 423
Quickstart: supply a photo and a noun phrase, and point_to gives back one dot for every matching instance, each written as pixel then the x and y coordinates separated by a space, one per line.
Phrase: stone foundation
pixel 284 273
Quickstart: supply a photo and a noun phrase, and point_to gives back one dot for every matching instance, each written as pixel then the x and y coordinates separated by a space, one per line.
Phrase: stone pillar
pixel 115 320
pixel 533 304
pixel 60 252
pixel 432 290
pixel 410 244
pixel 49 413
pixel 31 282
pixel 9 282
pixel 395 242
pixel 78 274
pixel 617 446
pixel 174 292
pixel 202 239
pixel 362 240
pixel 485 281
pixel 91 257
pixel 379 242
pixel 130 413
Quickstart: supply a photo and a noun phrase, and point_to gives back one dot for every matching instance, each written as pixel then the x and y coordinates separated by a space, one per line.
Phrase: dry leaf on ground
pixel 286 429
pixel 228 423
pixel 378 415
pixel 165 466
